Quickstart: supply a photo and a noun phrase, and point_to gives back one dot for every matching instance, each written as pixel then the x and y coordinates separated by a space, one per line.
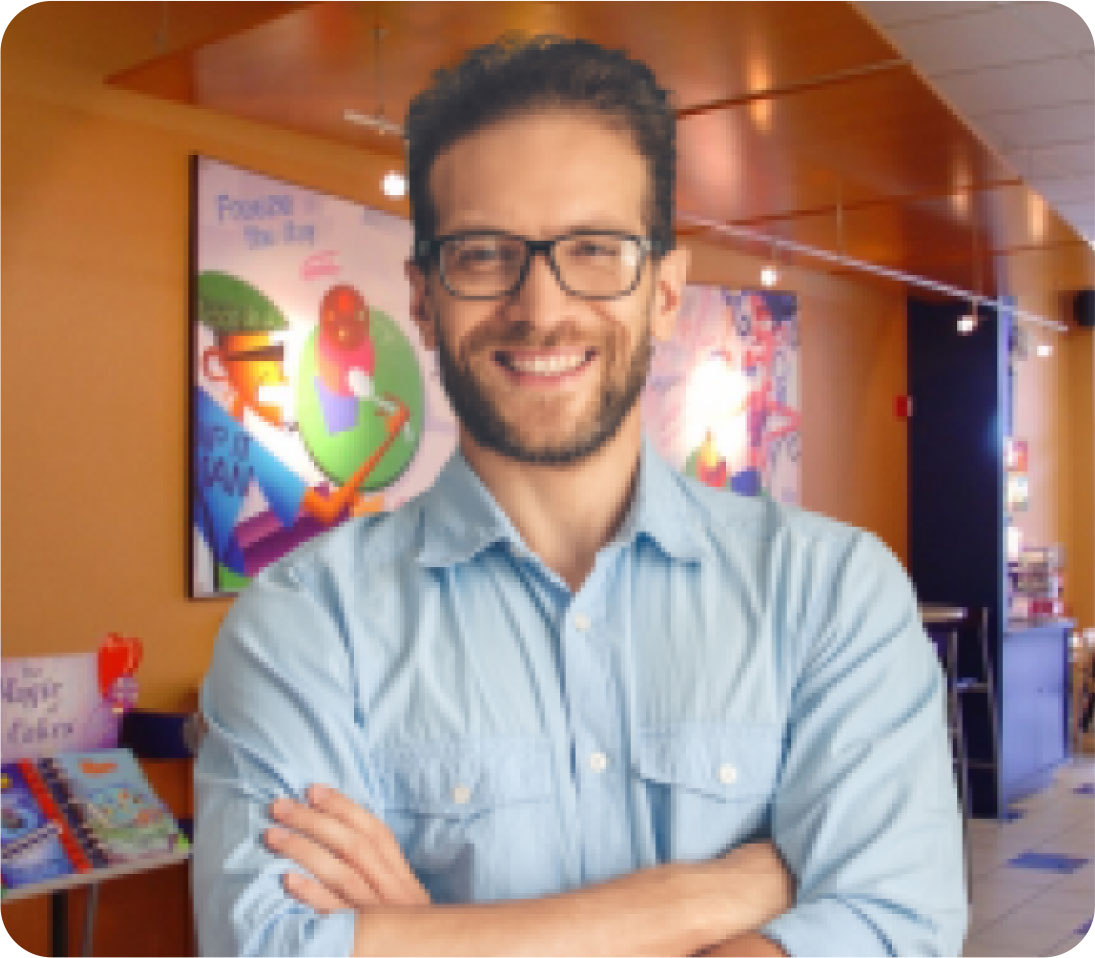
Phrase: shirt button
pixel 581 621
pixel 461 794
pixel 598 761
pixel 728 774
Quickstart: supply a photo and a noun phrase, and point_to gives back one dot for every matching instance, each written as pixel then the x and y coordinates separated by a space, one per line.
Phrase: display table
pixel 1034 705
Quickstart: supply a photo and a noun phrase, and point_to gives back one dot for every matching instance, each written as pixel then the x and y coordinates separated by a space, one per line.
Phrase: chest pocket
pixel 466 814
pixel 708 787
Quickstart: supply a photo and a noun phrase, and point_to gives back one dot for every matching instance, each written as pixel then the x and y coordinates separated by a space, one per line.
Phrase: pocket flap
pixel 463 778
pixel 727 761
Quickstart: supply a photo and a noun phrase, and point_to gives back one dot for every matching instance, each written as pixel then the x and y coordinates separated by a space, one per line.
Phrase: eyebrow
pixel 585 226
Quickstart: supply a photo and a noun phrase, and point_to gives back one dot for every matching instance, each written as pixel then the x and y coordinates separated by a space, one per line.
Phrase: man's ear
pixel 421 315
pixel 670 275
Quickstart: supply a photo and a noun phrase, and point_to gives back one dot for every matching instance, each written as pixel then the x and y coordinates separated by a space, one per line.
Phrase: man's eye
pixel 593 248
pixel 479 256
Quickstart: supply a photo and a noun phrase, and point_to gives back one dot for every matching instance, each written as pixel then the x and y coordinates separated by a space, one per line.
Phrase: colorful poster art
pixel 313 399
pixel 722 400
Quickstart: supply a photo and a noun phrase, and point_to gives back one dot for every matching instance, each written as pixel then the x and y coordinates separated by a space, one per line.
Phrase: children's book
pixel 81 817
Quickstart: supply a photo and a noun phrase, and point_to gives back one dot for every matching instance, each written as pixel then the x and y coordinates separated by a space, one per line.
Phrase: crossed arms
pixel 863 812
pixel 352 861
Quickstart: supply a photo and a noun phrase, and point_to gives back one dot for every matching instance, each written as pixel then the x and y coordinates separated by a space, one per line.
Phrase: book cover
pixel 113 805
pixel 37 841
pixel 81 817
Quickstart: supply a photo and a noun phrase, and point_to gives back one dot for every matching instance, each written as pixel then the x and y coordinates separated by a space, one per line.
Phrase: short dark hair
pixel 517 73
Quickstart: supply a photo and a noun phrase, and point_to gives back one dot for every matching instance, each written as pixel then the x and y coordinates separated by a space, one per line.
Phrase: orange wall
pixel 95 353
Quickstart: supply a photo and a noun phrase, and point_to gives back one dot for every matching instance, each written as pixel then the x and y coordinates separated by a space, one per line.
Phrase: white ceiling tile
pixel 1048 124
pixel 1061 24
pixel 1075 212
pixel 1019 86
pixel 886 14
pixel 1066 159
pixel 1068 189
pixel 986 38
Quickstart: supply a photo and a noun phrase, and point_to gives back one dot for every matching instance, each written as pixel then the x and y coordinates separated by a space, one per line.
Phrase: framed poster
pixel 312 397
pixel 722 400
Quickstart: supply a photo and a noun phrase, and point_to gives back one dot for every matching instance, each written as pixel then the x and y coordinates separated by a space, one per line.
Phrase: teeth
pixel 546 365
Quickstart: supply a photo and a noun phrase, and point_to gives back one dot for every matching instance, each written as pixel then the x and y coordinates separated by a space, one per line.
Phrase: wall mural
pixel 722 400
pixel 313 399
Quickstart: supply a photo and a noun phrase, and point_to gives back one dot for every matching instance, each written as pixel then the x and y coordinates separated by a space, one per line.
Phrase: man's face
pixel 543 375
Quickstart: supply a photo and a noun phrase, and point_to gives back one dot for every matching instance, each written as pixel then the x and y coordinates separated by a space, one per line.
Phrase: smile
pixel 545 364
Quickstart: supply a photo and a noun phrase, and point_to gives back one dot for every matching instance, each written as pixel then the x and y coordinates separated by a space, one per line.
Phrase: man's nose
pixel 540 298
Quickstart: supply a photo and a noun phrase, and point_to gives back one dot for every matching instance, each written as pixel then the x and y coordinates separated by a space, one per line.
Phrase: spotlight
pixel 769 276
pixel 967 324
pixel 393 184
pixel 1044 350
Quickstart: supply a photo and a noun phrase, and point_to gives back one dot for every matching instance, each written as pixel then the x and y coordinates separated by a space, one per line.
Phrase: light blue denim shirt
pixel 730 670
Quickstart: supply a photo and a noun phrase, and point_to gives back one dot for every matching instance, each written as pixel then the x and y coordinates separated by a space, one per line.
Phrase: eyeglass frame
pixel 428 251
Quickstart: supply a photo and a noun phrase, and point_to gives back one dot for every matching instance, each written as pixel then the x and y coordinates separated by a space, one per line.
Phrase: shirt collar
pixel 663 511
pixel 460 518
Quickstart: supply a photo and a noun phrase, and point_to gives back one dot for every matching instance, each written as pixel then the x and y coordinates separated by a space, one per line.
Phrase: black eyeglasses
pixel 490 264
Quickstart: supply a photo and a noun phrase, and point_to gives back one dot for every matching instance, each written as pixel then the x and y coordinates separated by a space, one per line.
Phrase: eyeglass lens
pixel 587 264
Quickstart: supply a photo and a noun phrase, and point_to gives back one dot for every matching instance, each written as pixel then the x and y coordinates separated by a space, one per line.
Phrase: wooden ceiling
pixel 796 120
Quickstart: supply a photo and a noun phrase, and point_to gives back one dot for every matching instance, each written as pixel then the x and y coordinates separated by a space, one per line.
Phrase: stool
pixel 942 624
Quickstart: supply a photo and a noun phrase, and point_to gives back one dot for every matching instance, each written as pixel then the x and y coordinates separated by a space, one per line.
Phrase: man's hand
pixel 353 861
pixel 352 858
pixel 761 879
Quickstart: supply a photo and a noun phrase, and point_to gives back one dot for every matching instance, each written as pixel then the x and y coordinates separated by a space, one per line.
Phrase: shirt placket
pixel 597 713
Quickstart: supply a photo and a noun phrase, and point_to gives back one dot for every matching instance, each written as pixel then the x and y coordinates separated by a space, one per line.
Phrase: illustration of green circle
pixel 338 455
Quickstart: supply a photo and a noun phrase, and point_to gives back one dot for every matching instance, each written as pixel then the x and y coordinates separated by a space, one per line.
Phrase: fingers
pixel 396 875
pixel 338 877
pixel 350 852
pixel 310 892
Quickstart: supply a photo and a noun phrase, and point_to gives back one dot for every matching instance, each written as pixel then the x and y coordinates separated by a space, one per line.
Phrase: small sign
pixel 64 703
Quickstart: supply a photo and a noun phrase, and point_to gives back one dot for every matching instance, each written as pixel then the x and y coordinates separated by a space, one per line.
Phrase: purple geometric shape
pixel 272 547
pixel 1012 814
pixel 1048 862
pixel 339 412
pixel 1088 788
pixel 1084 928
pixel 256 528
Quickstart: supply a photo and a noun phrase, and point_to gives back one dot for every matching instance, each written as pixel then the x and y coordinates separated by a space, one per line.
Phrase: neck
pixel 565 514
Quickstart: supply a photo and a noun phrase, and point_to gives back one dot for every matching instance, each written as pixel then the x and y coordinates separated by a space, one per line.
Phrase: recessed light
pixel 394 184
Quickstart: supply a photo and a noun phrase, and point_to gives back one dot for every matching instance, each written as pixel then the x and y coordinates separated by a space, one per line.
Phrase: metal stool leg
pixel 958 743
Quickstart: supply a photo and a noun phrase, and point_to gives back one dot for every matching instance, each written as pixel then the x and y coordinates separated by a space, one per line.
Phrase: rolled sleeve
pixel 280 708
pixel 866 813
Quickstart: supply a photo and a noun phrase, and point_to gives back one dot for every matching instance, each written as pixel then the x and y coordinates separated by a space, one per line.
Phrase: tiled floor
pixel 1037 911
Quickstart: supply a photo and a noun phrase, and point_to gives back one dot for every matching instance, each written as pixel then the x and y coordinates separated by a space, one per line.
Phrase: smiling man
pixel 567 701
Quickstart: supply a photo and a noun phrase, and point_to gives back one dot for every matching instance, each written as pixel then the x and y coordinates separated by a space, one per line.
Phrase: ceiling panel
pixel 911 11
pixel 1021 73
pixel 800 119
pixel 1060 123
pixel 984 38
pixel 1019 86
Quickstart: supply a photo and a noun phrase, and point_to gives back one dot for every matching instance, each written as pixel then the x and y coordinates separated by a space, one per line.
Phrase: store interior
pixel 811 143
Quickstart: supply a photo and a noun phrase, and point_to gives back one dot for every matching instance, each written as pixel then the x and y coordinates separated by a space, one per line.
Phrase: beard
pixel 481 414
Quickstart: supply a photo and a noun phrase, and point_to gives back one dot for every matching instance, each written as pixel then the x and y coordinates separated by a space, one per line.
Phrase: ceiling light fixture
pixel 394 184
pixel 377 121
pixel 967 323
pixel 1044 350
pixel 769 275
pixel 862 266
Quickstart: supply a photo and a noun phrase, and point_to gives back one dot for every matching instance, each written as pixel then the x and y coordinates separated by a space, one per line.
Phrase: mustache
pixel 525 335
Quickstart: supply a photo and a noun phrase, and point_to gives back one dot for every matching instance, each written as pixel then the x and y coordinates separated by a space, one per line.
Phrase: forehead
pixel 540 173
